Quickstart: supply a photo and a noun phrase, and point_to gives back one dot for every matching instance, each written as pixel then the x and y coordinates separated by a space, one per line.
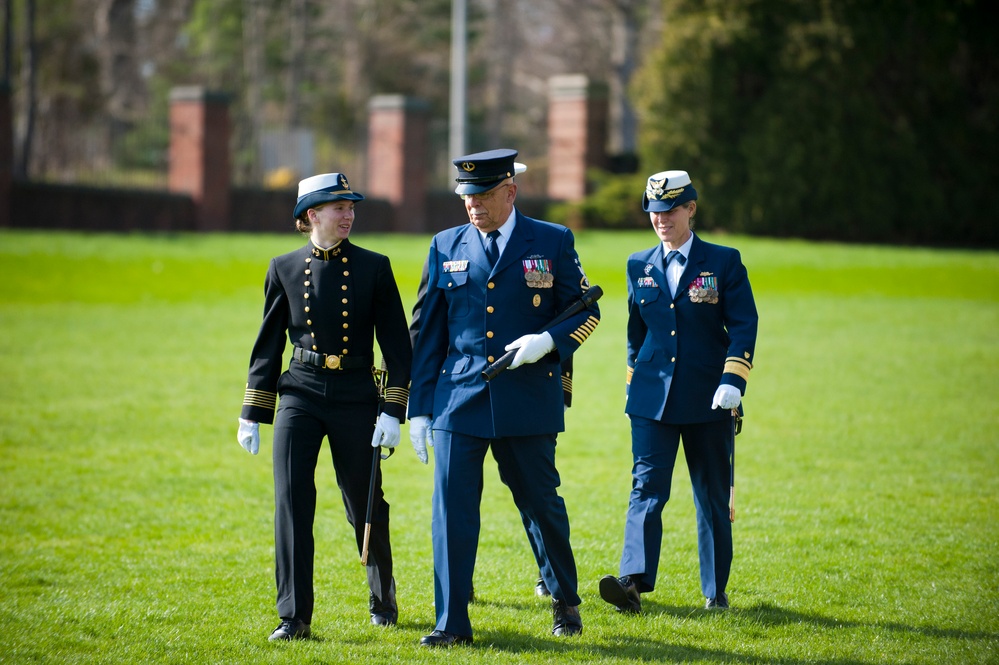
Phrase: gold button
pixel 308 322
pixel 489 334
pixel 549 373
pixel 306 310
pixel 308 283
pixel 672 333
pixel 450 284
pixel 344 312
pixel 490 309
pixel 490 359
pixel 345 352
pixel 643 300
pixel 306 296
pixel 344 301
pixel 314 347
pixel 346 339
pixel 346 273
pixel 343 288
pixel 313 335
pixel 672 360
pixel 491 285
pixel 670 305
pixel 344 259
pixel 308 260
pixel 345 326
pixel 308 271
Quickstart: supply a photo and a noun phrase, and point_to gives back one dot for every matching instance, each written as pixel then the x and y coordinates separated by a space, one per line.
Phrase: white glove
pixel 530 348
pixel 249 436
pixel 726 397
pixel 386 433
pixel 421 436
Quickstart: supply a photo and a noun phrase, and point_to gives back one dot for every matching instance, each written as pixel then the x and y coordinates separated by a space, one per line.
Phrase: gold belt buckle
pixel 332 362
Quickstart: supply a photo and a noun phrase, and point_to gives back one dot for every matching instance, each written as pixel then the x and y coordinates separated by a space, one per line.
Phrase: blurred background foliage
pixel 824 119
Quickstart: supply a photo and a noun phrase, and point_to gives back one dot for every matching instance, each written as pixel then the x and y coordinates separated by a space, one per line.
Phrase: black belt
pixel 332 362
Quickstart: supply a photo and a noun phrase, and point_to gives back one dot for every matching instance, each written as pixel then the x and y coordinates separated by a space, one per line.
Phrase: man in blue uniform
pixel 540 588
pixel 492 285
pixel 691 337
pixel 332 300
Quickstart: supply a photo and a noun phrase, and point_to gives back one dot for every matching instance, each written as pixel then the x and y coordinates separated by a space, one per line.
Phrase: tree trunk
pixel 29 78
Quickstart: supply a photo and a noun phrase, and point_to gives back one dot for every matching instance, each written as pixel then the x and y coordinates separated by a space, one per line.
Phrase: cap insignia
pixel 468 167
pixel 673 193
pixel 343 182
pixel 655 188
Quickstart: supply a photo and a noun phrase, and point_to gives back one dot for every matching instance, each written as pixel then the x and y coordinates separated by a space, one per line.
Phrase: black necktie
pixel 675 254
pixel 492 247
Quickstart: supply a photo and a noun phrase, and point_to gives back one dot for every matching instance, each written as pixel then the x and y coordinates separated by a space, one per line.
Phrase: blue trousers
pixel 654 446
pixel 527 466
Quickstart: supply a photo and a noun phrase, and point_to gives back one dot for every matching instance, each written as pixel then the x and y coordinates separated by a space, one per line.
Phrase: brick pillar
pixel 398 157
pixel 6 153
pixel 577 134
pixel 199 153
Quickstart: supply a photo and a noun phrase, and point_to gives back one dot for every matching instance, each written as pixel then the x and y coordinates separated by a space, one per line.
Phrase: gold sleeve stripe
pixel 397 395
pixel 585 330
pixel 566 384
pixel 738 366
pixel 628 375
pixel 261 398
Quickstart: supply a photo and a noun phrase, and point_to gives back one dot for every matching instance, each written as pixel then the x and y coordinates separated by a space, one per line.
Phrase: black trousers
pixel 317 404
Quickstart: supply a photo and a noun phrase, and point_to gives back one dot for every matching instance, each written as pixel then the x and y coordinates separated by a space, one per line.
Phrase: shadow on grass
pixel 633 648
pixel 771 615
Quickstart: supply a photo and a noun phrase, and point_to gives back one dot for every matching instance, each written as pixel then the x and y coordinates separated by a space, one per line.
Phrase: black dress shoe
pixel 565 619
pixel 384 619
pixel 439 638
pixel 622 593
pixel 291 630
pixel 719 602
pixel 541 589
pixel 383 612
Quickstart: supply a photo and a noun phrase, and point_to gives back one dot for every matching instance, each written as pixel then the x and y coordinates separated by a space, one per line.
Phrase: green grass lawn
pixel 134 529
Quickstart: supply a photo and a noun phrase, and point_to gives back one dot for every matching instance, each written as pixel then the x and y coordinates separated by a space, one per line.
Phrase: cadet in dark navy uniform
pixel 492 285
pixel 691 337
pixel 332 300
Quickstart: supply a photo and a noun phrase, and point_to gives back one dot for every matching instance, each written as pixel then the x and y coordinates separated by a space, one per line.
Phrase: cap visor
pixel 466 188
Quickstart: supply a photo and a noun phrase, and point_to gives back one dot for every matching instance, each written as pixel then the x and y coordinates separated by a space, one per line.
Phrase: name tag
pixel 455 266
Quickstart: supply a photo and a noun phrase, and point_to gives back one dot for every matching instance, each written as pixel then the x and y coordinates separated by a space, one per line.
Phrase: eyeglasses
pixel 484 197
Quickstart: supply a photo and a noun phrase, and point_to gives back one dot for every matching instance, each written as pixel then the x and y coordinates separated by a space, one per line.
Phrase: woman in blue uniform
pixel 691 338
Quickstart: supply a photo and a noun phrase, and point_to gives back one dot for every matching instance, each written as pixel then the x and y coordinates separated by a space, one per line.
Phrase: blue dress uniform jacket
pixel 470 314
pixel 331 304
pixel 680 348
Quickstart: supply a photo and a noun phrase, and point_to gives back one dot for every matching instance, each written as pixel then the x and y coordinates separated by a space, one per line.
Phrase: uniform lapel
pixel 518 244
pixel 472 248
pixel 658 259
